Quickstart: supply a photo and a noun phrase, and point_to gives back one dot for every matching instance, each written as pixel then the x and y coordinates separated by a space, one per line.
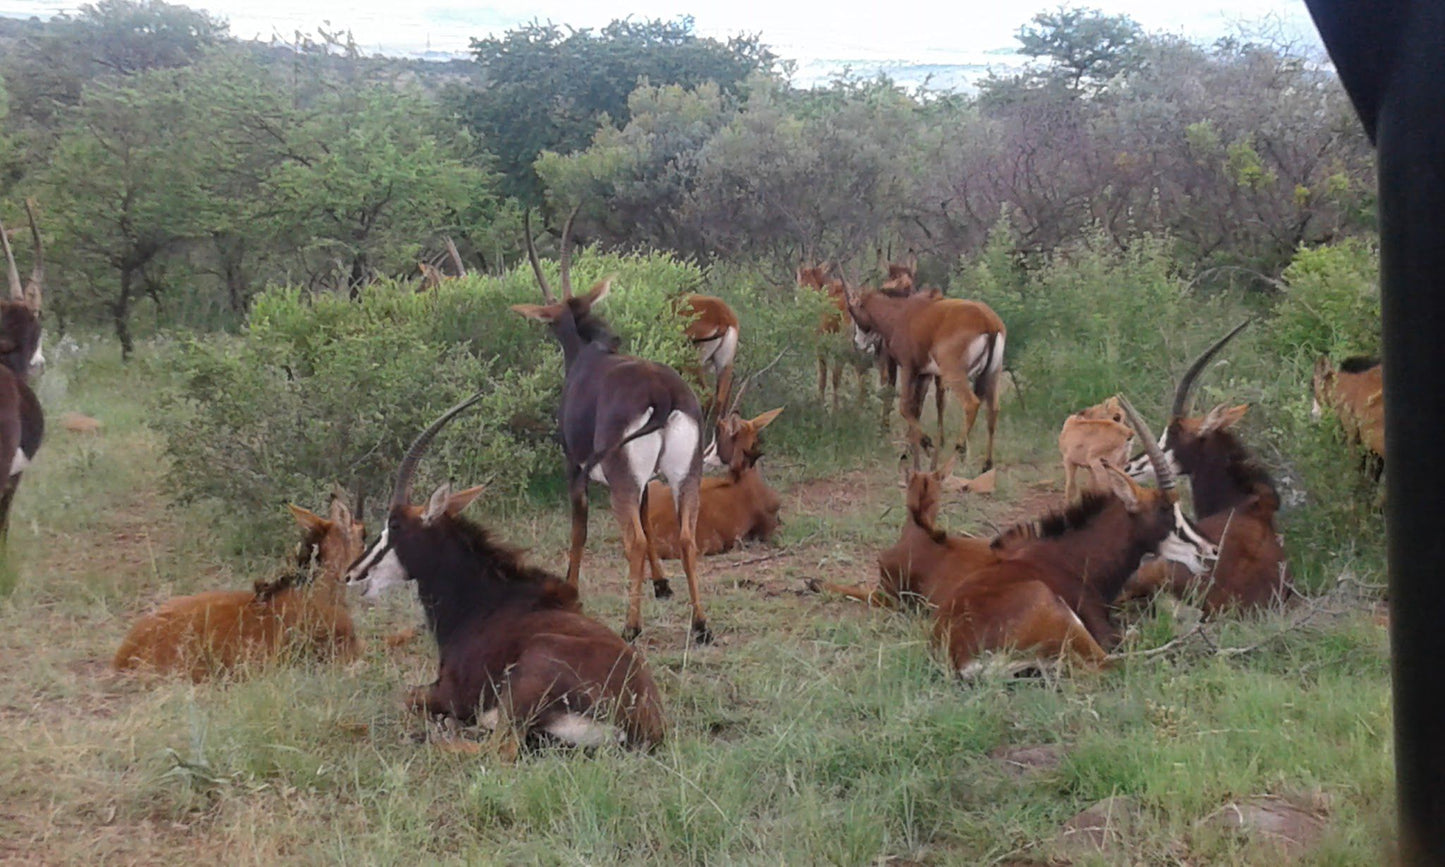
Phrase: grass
pixel 815 732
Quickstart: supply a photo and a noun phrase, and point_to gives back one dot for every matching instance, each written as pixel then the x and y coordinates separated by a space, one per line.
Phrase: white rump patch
pixel 680 440
pixel 598 474
pixel 19 462
pixel 583 731
pixel 718 352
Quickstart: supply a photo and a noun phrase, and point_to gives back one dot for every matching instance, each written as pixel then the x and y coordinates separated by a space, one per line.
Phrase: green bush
pixel 319 389
pixel 1333 303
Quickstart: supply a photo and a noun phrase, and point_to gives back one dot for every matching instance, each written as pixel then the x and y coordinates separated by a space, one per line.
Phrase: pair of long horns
pixel 565 265
pixel 30 294
pixel 1181 394
pixel 401 491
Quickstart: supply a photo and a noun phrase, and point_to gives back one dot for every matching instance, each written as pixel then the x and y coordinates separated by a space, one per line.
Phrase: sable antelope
pixel 22 422
pixel 831 321
pixel 926 565
pixel 960 342
pixel 1235 502
pixel 737 506
pixel 1051 590
pixel 1092 438
pixel 1356 393
pixel 513 646
pixel 623 421
pixel 712 326
pixel 301 611
pixel 433 276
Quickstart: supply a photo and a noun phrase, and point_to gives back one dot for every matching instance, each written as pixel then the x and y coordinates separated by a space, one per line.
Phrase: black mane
pixel 1359 364
pixel 1056 523
pixel 301 570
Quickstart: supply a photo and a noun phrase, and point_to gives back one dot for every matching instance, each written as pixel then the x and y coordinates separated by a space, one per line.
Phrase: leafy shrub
pixel 319 389
pixel 1333 304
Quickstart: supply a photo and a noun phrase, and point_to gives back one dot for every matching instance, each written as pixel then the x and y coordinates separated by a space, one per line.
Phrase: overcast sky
pixel 915 30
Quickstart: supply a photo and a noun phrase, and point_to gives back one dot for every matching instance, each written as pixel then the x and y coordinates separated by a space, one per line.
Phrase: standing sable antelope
pixel 514 648
pixel 926 565
pixel 1051 591
pixel 737 506
pixel 712 326
pixel 1235 502
pixel 960 342
pixel 1092 438
pixel 831 321
pixel 1356 393
pixel 304 610
pixel 22 422
pixel 623 420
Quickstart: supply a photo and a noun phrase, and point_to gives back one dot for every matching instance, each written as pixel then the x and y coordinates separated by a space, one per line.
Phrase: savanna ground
pixel 814 731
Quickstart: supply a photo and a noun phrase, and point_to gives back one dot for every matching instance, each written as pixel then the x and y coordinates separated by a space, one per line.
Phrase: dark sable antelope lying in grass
pixel 303 611
pixel 1235 502
pixel 959 342
pixel 1356 394
pixel 22 423
pixel 1056 579
pixel 926 564
pixel 624 420
pixel 733 507
pixel 514 647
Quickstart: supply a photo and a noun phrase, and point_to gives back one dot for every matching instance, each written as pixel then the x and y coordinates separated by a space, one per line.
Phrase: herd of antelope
pixel 517 652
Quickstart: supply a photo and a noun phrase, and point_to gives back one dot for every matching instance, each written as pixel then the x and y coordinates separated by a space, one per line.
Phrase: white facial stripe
pixel 710 459
pixel 368 561
pixel 19 462
pixel 38 359
pixel 384 575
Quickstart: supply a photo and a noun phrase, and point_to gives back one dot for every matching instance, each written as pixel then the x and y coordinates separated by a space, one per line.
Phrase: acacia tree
pixel 549 88
pixel 122 188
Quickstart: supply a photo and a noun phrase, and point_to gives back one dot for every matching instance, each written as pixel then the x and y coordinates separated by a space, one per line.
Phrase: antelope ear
pixel 461 499
pixel 437 505
pixel 340 513
pixel 1124 487
pixel 599 290
pixel 1222 417
pixel 765 419
pixel 308 520
pixel 540 312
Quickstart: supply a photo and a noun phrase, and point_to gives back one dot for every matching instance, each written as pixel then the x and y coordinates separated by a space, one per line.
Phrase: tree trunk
pixel 120 313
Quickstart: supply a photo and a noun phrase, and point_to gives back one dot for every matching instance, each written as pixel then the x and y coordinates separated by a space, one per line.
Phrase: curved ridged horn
pixel 37 273
pixel 566 263
pixel 1162 470
pixel 1181 394
pixel 401 492
pixel 16 292
pixel 536 263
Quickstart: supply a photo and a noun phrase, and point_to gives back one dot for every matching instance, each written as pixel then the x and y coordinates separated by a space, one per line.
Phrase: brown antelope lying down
pixel 712 326
pixel 514 648
pixel 1234 500
pixel 1090 439
pixel 303 611
pixel 737 506
pixel 1051 590
pixel 1356 393
pixel 926 565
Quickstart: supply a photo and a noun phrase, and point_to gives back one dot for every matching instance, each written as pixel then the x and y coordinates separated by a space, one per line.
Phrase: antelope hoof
pixel 926 443
pixel 630 633
pixel 813 585
pixel 700 633
pixel 661 589
pixel 987 465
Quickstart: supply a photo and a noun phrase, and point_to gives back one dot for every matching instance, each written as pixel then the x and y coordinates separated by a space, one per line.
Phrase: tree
pixel 1085 45
pixel 122 188
pixel 366 180
pixel 544 88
